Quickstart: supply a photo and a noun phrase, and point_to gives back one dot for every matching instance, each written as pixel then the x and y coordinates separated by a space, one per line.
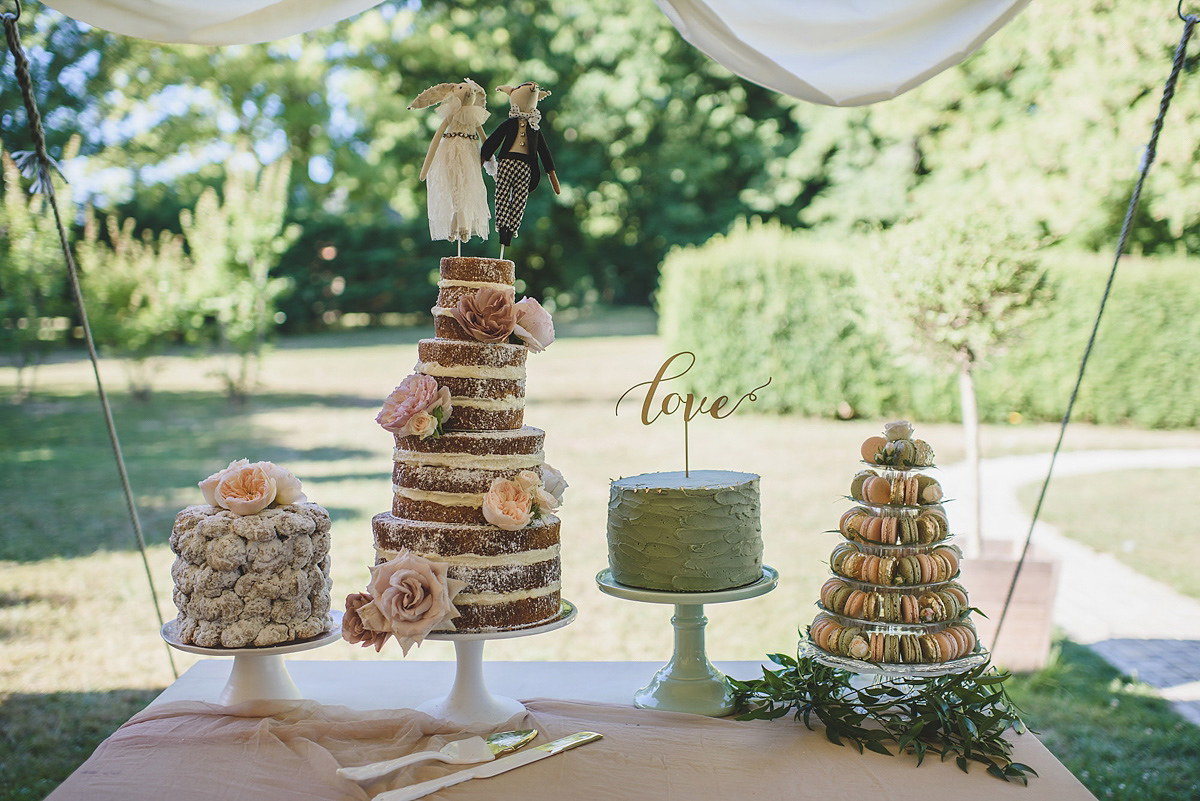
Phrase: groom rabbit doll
pixel 522 153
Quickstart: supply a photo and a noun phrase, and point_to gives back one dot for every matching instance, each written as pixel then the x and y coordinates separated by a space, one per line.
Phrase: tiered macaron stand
pixel 258 673
pixel 879 672
pixel 689 682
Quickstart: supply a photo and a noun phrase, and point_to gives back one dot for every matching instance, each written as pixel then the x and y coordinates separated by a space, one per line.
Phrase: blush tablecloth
pixel 186 750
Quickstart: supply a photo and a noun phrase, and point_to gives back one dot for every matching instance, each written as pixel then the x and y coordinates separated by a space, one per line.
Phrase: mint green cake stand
pixel 689 682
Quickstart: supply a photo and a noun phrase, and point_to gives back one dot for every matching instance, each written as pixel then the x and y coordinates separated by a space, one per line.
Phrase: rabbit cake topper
pixel 521 154
pixel 457 197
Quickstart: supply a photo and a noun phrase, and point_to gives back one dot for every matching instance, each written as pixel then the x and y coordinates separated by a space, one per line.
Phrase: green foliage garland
pixel 963 715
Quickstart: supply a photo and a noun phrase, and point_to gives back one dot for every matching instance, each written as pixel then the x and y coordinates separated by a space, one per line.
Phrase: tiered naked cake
pixel 470 487
pixel 893 598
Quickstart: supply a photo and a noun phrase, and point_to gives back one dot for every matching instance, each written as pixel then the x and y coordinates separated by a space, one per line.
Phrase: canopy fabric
pixel 834 52
pixel 839 52
pixel 210 22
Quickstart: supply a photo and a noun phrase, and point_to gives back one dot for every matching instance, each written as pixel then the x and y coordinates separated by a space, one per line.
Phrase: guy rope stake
pixel 37 165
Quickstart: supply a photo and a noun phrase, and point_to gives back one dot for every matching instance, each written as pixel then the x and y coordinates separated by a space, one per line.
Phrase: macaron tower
pixel 893 598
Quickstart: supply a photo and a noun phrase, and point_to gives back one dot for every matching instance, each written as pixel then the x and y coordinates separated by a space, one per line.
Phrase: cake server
pixel 491 768
pixel 459 752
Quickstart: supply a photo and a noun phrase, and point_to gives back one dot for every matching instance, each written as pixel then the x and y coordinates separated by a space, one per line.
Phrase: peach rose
pixel 489 315
pixel 411 596
pixel 353 630
pixel 286 484
pixel 543 503
pixel 858 648
pixel 534 326
pixel 208 487
pixel 507 505
pixel 422 425
pixel 245 490
pixel 528 480
pixel 416 394
pixel 554 482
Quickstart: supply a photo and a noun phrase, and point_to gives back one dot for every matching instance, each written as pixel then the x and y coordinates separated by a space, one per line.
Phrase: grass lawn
pixel 1148 526
pixel 77 625
pixel 1118 738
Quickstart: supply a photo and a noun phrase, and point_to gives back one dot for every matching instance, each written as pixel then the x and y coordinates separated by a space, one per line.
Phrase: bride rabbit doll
pixel 458 203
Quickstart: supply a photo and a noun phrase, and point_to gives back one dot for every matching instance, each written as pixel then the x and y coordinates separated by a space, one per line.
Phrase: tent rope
pixel 1143 169
pixel 37 164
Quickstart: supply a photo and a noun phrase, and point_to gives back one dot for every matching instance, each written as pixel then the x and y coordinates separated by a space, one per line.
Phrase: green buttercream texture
pixel 698 533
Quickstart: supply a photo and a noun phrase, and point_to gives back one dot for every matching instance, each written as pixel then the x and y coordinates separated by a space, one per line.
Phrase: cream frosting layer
pixel 443 498
pixel 491 404
pixel 695 533
pixel 469 461
pixel 471 371
pixel 489 598
pixel 450 282
pixel 520 559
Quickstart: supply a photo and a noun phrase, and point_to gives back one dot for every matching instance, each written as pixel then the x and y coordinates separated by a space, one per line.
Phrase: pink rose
pixel 411 596
pixel 353 630
pixel 287 486
pixel 209 485
pixel 534 326
pixel 245 490
pixel 554 482
pixel 416 394
pixel 489 315
pixel 507 505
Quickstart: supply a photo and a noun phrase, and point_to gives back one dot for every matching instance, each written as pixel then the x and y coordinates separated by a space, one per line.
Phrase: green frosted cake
pixel 699 532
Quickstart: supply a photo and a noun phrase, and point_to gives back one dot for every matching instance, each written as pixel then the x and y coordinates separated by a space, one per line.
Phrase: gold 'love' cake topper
pixel 672 402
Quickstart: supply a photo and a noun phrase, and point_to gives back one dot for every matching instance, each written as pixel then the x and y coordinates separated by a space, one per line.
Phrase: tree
pixel 1052 113
pixel 954 287
pixel 33 308
pixel 136 291
pixel 235 240
pixel 655 142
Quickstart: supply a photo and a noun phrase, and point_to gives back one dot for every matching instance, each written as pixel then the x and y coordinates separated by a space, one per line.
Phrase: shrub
pixel 765 301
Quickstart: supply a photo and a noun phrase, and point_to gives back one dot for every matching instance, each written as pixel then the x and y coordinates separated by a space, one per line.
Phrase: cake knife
pixel 458 752
pixel 489 769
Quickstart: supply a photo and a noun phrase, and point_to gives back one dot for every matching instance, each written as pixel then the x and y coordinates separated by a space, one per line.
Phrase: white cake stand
pixel 689 682
pixel 469 702
pixel 258 673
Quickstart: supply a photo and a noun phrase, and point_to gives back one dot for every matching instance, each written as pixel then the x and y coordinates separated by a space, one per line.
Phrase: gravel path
pixel 1101 603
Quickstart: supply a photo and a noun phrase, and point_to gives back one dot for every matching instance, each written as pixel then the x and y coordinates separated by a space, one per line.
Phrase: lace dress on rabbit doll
pixel 458 202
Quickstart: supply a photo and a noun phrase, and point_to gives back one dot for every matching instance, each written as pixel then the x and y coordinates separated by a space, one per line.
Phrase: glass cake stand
pixel 689 682
pixel 884 672
pixel 258 673
pixel 469 701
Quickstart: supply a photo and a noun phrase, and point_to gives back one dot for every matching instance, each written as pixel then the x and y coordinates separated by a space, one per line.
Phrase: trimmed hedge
pixel 766 301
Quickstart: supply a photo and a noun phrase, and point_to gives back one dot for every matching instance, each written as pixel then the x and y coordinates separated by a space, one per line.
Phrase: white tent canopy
pixel 839 52
pixel 834 52
pixel 210 22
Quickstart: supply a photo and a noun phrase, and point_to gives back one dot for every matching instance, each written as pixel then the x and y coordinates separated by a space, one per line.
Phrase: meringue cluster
pixel 251 580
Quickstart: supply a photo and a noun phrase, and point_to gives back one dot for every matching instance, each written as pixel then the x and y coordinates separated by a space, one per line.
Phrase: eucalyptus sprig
pixel 961 715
